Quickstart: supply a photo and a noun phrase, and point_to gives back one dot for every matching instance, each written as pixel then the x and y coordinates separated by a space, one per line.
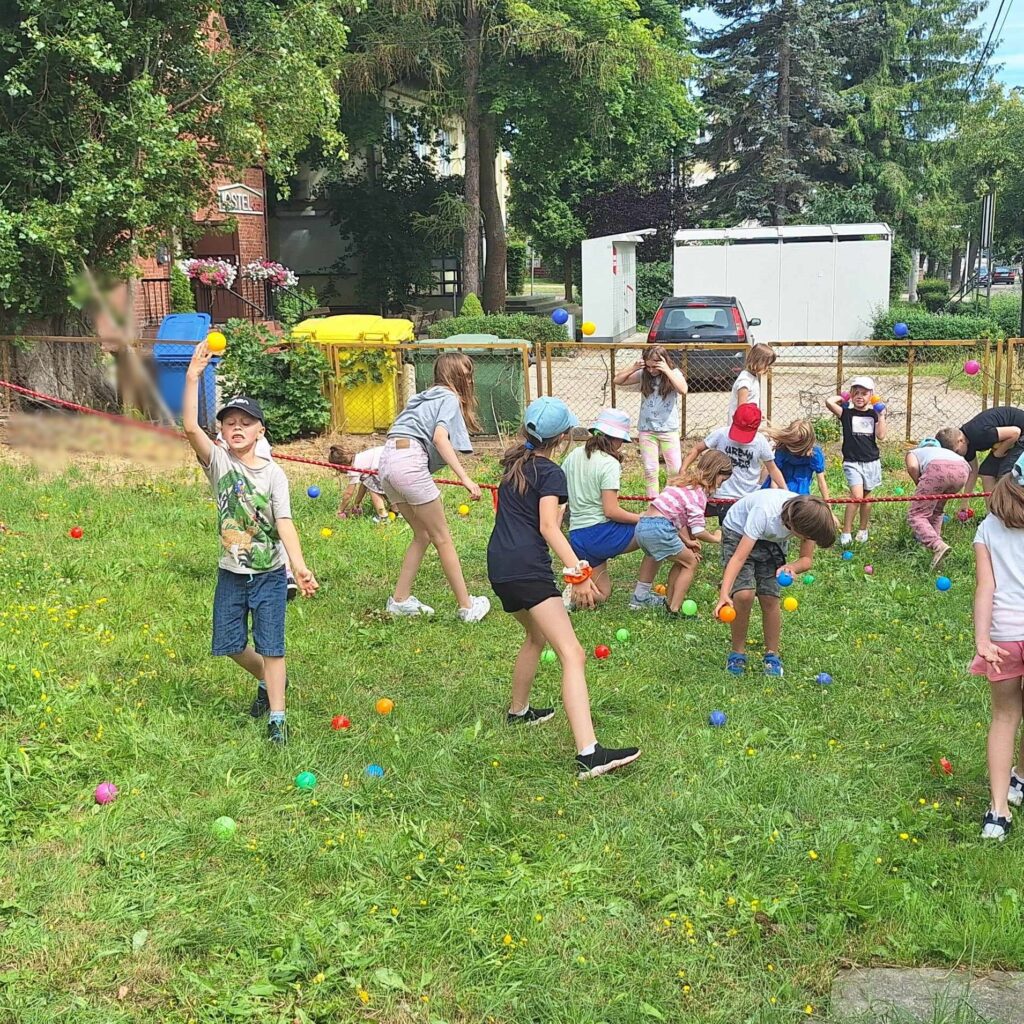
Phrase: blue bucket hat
pixel 546 418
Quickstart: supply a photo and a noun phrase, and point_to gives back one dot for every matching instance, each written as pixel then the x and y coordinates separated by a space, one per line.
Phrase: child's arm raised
pixel 551 513
pixel 197 437
pixel 303 576
pixel 835 405
pixel 984 590
pixel 803 563
pixel 631 374
pixel 443 444
pixel 675 376
pixel 732 570
pixel 881 426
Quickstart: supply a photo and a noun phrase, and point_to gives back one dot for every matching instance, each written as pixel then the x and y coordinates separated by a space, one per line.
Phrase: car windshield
pixel 705 320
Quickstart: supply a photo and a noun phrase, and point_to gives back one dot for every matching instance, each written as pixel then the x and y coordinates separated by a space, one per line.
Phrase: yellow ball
pixel 326 532
pixel 791 604
pixel 463 510
pixel 391 515
pixel 216 342
pixel 588 327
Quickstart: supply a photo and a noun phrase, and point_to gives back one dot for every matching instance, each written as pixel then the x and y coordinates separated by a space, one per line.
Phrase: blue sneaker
pixel 736 664
pixel 773 665
pixel 652 600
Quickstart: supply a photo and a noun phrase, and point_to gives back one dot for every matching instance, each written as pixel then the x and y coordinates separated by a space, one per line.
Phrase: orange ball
pixel 727 614
pixel 661 589
pixel 385 706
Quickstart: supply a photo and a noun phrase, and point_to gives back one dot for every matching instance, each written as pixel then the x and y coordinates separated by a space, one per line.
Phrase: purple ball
pixel 106 793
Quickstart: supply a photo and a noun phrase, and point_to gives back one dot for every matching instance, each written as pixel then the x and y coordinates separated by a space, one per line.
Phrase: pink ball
pixel 869 570
pixel 845 396
pixel 963 515
pixel 971 367
pixel 106 793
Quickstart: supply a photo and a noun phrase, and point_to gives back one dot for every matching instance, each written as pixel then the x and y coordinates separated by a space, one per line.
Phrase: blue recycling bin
pixel 178 335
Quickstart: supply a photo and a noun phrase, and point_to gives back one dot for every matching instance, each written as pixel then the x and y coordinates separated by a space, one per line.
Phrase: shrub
pixel 182 299
pixel 933 293
pixel 929 326
pixel 899 268
pixel 653 283
pixel 294 305
pixel 515 267
pixel 826 429
pixel 1004 310
pixel 286 379
pixel 504 325
pixel 471 306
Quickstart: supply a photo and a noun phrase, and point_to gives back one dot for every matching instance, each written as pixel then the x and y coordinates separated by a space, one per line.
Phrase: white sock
pixel 587 751
pixel 519 714
pixel 642 590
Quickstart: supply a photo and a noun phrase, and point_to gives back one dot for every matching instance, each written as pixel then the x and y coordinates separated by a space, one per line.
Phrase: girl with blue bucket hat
pixel 532 497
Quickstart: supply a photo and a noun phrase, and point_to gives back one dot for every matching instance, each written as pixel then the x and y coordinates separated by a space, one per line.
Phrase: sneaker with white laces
pixel 996 827
pixel 478 608
pixel 638 604
pixel 602 761
pixel 531 716
pixel 846 539
pixel 862 536
pixel 410 606
pixel 1015 797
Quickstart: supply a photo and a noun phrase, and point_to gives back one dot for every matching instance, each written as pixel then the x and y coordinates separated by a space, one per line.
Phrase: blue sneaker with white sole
pixel 772 664
pixel 736 664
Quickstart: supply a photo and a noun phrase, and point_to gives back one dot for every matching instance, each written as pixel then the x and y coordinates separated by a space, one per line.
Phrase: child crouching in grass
pixel 254 514
pixel 755 532
pixel 362 480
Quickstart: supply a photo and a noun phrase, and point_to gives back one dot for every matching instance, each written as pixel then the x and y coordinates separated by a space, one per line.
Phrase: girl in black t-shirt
pixel 531 503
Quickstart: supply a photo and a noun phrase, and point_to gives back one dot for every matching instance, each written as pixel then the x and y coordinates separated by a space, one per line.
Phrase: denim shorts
pixel 239 595
pixel 658 538
pixel 596 544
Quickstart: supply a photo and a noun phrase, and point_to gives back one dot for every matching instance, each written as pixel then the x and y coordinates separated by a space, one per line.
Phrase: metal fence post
pixel 839 369
pixel 911 353
pixel 611 364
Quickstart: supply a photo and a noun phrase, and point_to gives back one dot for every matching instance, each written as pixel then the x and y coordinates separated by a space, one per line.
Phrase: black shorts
pixel 522 595
pixel 717 510
pixel 996 466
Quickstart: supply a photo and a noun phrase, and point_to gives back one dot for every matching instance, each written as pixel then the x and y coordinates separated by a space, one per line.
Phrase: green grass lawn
pixel 725 877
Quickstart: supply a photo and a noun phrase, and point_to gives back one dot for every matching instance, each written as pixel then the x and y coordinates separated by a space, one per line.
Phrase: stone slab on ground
pixel 928 994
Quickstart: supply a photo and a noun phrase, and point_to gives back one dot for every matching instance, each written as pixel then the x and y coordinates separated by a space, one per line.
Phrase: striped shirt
pixel 683 506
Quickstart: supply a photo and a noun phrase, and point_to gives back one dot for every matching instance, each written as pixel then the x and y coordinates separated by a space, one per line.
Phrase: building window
pixel 393 126
pixel 444 154
pixel 445 277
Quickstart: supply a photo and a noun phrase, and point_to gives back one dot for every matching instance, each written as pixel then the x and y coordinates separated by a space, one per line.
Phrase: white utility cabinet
pixel 609 284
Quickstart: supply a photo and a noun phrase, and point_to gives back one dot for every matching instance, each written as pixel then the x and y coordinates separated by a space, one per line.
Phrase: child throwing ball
pixel 531 504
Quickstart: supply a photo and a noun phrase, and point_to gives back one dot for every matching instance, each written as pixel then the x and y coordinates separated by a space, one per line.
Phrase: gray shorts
pixel 864 474
pixel 758 571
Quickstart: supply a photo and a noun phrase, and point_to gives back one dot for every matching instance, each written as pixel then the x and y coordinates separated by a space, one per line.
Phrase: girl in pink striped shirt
pixel 674 523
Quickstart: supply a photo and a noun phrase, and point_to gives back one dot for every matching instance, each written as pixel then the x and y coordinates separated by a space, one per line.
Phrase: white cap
pixel 863 382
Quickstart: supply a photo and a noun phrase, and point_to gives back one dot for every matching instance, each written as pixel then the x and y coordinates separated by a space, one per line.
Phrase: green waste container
pixel 497 374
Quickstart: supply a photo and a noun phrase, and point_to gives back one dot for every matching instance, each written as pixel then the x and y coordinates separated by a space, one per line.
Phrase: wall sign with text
pixel 240 199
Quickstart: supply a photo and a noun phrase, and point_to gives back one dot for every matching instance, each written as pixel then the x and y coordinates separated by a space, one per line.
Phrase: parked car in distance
pixel 1004 275
pixel 719 319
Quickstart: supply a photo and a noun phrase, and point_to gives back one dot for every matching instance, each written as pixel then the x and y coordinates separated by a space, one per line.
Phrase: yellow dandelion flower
pixel 507 940
pixel 812 854
pixel 364 996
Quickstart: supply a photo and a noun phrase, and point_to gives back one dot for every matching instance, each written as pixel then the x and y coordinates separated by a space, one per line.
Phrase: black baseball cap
pixel 247 405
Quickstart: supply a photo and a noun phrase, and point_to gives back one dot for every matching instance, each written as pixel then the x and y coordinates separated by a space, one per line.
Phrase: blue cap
pixel 548 417
pixel 929 442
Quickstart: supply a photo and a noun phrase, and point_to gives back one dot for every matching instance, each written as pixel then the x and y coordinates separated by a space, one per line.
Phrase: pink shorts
pixel 1011 667
pixel 403 473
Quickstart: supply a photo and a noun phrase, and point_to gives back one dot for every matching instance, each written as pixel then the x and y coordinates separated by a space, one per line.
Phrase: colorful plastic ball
pixel 785 580
pixel 375 771
pixel 76 533
pixel 847 556
pixel 727 614
pixel 560 316
pixel 972 367
pixel 622 635
pixel 224 827
pixel 808 578
pixel 548 655
pixel 869 570
pixel 900 330
pixel 963 515
pixel 970 513
pixel 791 604
pixel 385 706
pixel 661 589
pixel 717 719
pixel 946 765
pixel 105 793
pixel 823 679
pixel 689 607
pixel 845 396
pixel 463 510
pixel 879 407
pixel 943 583
pixel 945 517
pixel 340 722
pixel 588 327
pixel 602 651
pixel 314 491
pixel 898 491
pixel 326 533
pixel 305 780
pixel 216 342
pixel 875 399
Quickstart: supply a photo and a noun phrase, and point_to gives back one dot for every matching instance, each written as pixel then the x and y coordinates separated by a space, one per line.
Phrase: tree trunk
pixel 931 267
pixel 915 267
pixel 567 270
pixel 956 264
pixel 781 187
pixel 471 81
pixel 494 223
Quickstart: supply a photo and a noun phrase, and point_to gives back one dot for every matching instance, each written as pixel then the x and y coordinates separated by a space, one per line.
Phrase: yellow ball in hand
pixel 216 342
pixel 791 604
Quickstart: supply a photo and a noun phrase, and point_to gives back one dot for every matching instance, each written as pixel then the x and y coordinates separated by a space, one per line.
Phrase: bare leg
pixel 525 669
pixel 1002 733
pixel 429 526
pixel 413 554
pixel 865 513
pixel 274 669
pixel 987 483
pixel 743 601
pixel 378 504
pixel 252 663
pixel 680 578
pixel 648 570
pixel 856 491
pixel 771 621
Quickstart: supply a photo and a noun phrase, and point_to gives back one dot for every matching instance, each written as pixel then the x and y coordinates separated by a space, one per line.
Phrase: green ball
pixel 224 827
pixel 305 780
pixel 808 577
pixel 689 607
pixel 548 655
pixel 622 635
pixel 897 491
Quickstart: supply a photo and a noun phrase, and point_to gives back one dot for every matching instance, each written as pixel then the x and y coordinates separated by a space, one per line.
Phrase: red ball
pixel 340 722
pixel 602 651
pixel 945 765
pixel 76 533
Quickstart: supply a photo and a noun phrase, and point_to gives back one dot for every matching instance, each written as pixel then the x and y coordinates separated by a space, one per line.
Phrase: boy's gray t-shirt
pixel 424 413
pixel 929 454
pixel 659 413
pixel 249 503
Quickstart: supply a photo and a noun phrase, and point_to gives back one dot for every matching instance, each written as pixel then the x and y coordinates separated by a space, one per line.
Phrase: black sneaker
pixel 602 761
pixel 277 732
pixel 293 588
pixel 532 716
pixel 261 702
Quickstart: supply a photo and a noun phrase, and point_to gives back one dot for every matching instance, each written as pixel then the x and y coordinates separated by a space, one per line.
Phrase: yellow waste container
pixel 364 398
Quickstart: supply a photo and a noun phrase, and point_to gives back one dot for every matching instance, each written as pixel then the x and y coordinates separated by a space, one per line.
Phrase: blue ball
pixel 879 407
pixel 560 316
pixel 375 771
pixel 945 517
pixel 943 583
pixel 823 679
pixel 901 330
pixel 847 556
pixel 717 719
pixel 313 492
pixel 784 579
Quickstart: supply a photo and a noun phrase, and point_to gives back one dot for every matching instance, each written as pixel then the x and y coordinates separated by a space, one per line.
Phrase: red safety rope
pixel 848 501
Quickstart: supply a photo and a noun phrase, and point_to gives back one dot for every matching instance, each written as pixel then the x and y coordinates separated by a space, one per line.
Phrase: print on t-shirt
pixel 742 455
pixel 245 531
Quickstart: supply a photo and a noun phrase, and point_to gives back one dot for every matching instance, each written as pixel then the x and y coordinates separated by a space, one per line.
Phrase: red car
pixel 1004 275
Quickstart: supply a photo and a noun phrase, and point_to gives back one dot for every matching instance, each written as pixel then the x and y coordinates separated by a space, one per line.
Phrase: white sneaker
pixel 1015 797
pixel 862 536
pixel 410 606
pixel 478 608
pixel 846 539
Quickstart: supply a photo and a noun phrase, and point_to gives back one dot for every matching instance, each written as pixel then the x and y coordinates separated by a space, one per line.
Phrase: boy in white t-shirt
pixel 360 483
pixel 755 532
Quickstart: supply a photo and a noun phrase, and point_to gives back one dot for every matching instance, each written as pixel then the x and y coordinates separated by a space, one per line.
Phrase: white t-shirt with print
pixel 747 460
pixel 759 515
pixel 744 379
pixel 1006 549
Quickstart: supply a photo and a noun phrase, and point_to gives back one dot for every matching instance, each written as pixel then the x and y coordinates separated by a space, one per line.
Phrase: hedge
pixel 516 261
pixel 929 326
pixel 933 293
pixel 509 326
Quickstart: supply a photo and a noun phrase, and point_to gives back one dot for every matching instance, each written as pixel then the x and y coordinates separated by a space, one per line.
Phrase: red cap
pixel 745 421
